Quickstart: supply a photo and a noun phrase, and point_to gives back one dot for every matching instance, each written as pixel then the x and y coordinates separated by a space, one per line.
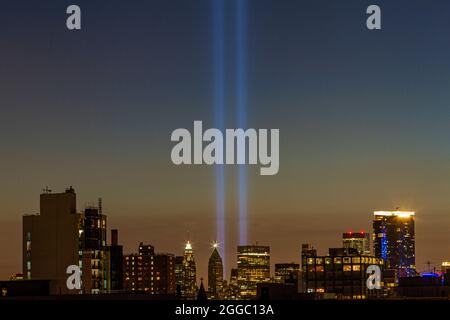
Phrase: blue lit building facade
pixel 394 242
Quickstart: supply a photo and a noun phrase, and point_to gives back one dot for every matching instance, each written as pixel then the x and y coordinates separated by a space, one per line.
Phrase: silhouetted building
pixel 277 291
pixel 308 250
pixel 233 287
pixel 116 262
pixel 342 272
pixel 215 275
pixel 357 240
pixel 53 240
pixel 164 274
pixel 179 275
pixel 253 264
pixel 426 286
pixel 394 242
pixel 25 288
pixel 201 295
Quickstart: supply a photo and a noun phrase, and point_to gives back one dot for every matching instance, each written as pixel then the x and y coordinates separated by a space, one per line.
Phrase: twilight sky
pixel 364 119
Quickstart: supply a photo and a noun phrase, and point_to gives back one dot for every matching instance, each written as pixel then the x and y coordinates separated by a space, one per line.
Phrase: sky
pixel 363 118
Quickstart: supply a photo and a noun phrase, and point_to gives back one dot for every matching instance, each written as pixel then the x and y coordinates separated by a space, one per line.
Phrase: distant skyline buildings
pixel 106 269
pixel 357 240
pixel 253 267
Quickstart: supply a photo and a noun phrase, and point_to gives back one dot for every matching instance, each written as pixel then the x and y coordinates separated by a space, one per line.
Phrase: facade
pixel 179 276
pixel 232 291
pixel 189 283
pixel 357 240
pixel 429 285
pixel 97 255
pixel 394 241
pixel 342 273
pixel 149 272
pixel 253 264
pixel 164 274
pixel 215 275
pixel 287 273
pixel 52 240
pixel 138 269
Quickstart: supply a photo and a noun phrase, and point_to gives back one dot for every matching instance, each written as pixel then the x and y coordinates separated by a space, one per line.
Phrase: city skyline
pixel 214 245
pixel 363 118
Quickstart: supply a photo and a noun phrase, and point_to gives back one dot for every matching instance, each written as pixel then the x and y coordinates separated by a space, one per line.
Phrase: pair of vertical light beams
pixel 219 109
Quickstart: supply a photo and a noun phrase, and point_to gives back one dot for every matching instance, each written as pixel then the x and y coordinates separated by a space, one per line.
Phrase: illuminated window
pixel 357 267
pixel 347 259
pixel 347 268
pixel 338 260
pixel 356 260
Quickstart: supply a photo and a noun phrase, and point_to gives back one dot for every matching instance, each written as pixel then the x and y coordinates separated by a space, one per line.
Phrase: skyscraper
pixel 253 264
pixel 189 286
pixel 215 274
pixel 357 240
pixel 52 240
pixel 394 242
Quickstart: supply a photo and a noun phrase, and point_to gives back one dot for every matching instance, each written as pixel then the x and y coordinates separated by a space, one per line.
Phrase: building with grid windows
pixel 342 273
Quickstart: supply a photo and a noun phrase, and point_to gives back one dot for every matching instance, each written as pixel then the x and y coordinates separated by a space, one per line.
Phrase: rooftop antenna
pixel 46 190
pixel 100 207
pixel 429 266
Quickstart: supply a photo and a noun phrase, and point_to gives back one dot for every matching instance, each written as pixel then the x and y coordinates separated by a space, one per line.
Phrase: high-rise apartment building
pixel 149 272
pixel 97 254
pixel 138 269
pixel 394 242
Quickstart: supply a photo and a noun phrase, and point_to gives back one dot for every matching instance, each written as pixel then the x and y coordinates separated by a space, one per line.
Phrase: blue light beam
pixel 219 112
pixel 241 105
